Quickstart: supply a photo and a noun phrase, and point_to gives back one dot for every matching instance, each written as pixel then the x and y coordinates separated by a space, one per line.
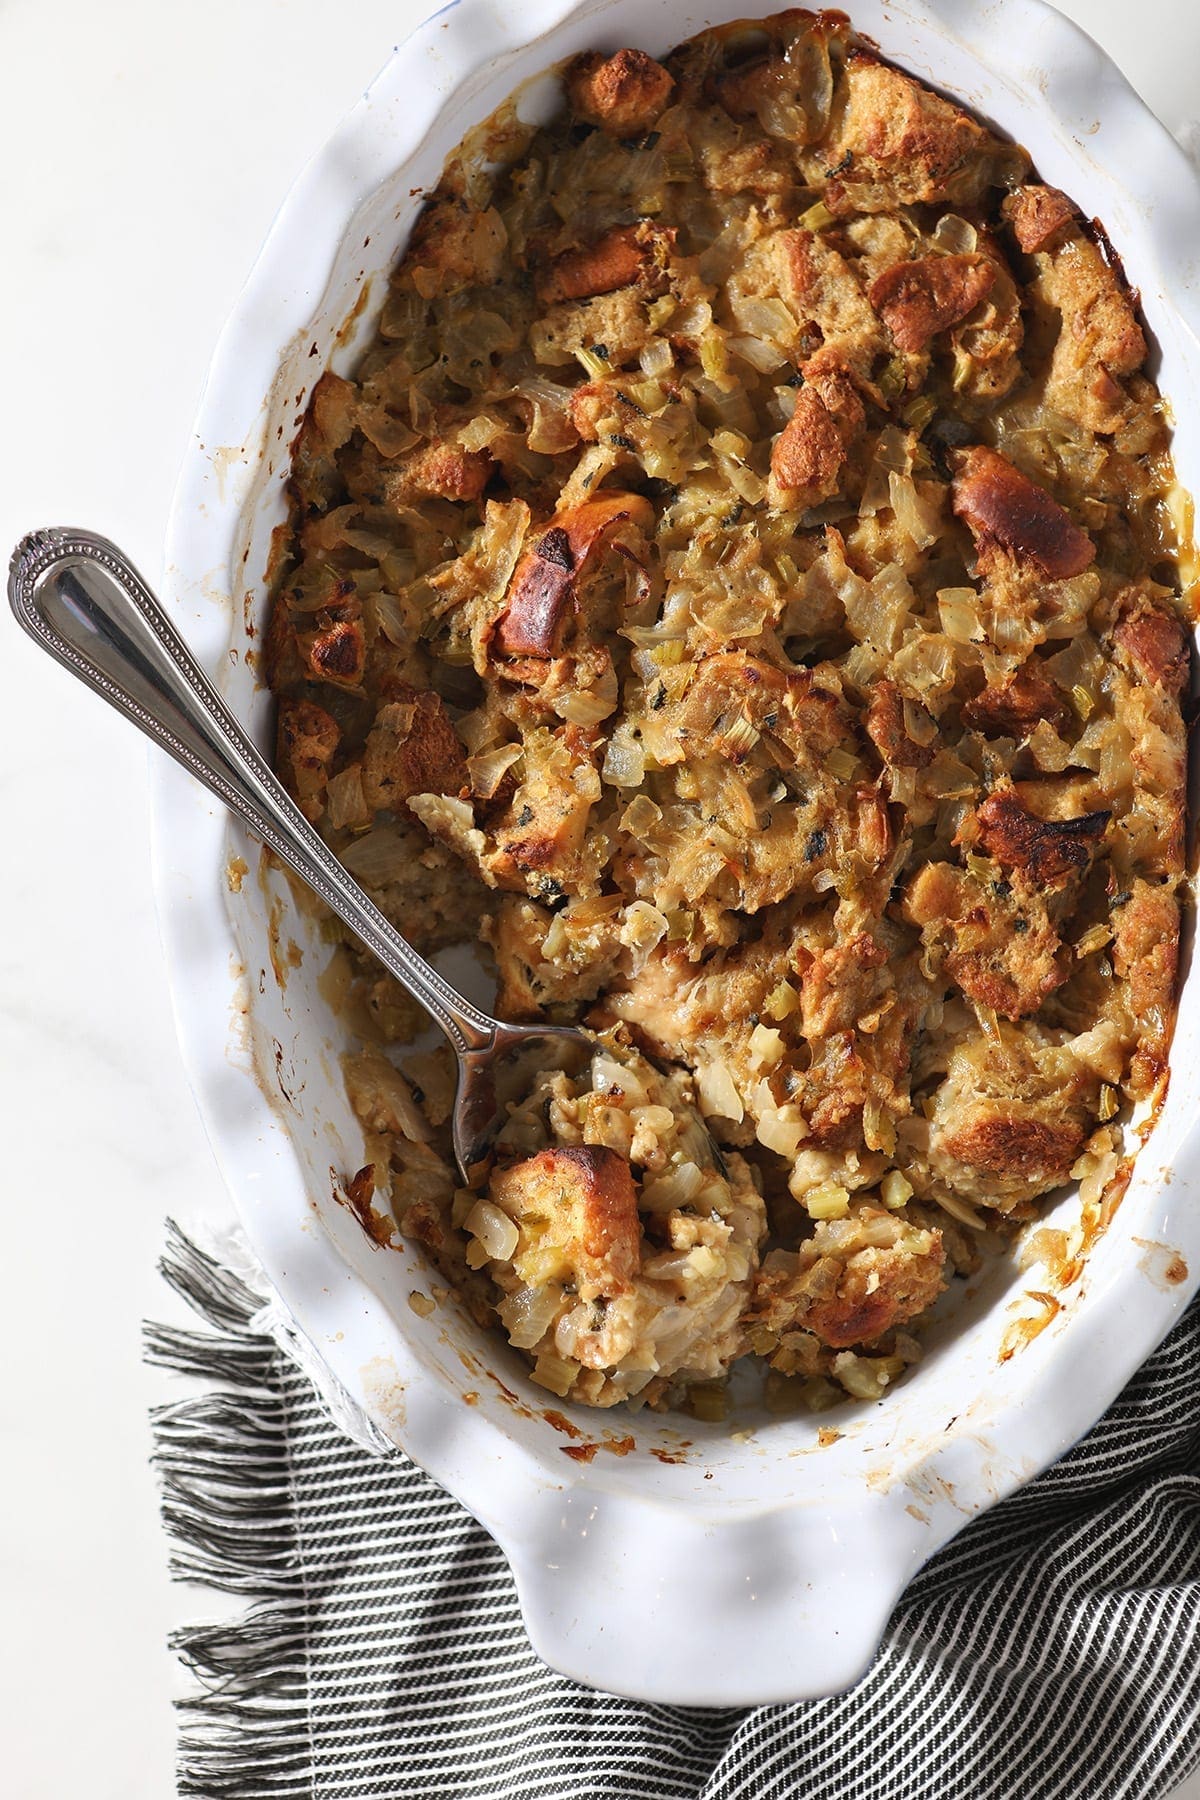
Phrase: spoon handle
pixel 83 602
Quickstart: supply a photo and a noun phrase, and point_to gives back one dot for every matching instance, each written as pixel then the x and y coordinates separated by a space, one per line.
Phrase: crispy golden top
pixel 737 573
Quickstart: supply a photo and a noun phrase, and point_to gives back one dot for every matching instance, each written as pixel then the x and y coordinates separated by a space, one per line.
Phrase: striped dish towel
pixel 1047 1654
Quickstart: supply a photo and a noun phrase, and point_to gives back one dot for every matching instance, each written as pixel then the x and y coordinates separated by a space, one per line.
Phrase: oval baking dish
pixel 780 1529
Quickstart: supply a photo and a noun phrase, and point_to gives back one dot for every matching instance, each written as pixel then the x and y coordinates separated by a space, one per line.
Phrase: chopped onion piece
pixel 488 769
pixel 644 926
pixel 817 218
pixel 955 236
pixel 718 1095
pixel 493 1229
pixel 612 1077
pixel 554 1372
pixel 529 1313
pixel 829 1201
pixel 656 358
pixel 677 1188
pixel 917 515
pixel 624 762
pixel 1096 939
pixel 760 353
pixel 782 1131
pixel 587 706
pixel 895 1190
pixel 782 1001
pixel 766 1046
pixel 958 610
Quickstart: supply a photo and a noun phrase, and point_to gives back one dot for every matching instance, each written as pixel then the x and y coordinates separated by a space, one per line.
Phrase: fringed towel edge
pixel 226 1496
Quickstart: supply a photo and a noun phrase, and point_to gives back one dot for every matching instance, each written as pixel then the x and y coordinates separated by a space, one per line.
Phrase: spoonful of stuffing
pixel 83 602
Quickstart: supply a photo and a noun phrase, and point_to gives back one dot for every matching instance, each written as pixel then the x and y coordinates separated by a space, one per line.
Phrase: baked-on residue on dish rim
pixel 775 1539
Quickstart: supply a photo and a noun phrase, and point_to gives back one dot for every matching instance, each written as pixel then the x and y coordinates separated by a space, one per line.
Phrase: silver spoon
pixel 84 602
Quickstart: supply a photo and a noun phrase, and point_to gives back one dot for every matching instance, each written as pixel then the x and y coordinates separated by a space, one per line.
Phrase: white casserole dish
pixel 715 1572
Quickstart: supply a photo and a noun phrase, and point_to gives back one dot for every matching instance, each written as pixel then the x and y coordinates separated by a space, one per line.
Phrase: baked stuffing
pixel 741 583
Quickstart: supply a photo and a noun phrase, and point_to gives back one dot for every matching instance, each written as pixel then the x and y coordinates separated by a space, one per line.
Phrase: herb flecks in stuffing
pixel 736 581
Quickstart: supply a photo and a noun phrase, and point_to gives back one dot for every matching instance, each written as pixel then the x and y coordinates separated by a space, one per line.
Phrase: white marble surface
pixel 146 147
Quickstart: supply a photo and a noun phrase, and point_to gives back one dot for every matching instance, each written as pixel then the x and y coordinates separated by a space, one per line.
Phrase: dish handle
pixel 657 1604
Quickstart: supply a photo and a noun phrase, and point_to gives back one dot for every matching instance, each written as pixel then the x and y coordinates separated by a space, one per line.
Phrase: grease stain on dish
pixel 1163 1264
pixel 225 459
pixel 351 321
pixel 1022 1331
pixel 929 1490
pixel 506 1393
pixel 560 1422
pixel 385 1394
pixel 616 1443
pixel 280 1082
pixel 619 1443
pixel 239 1043
pixel 358 1194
